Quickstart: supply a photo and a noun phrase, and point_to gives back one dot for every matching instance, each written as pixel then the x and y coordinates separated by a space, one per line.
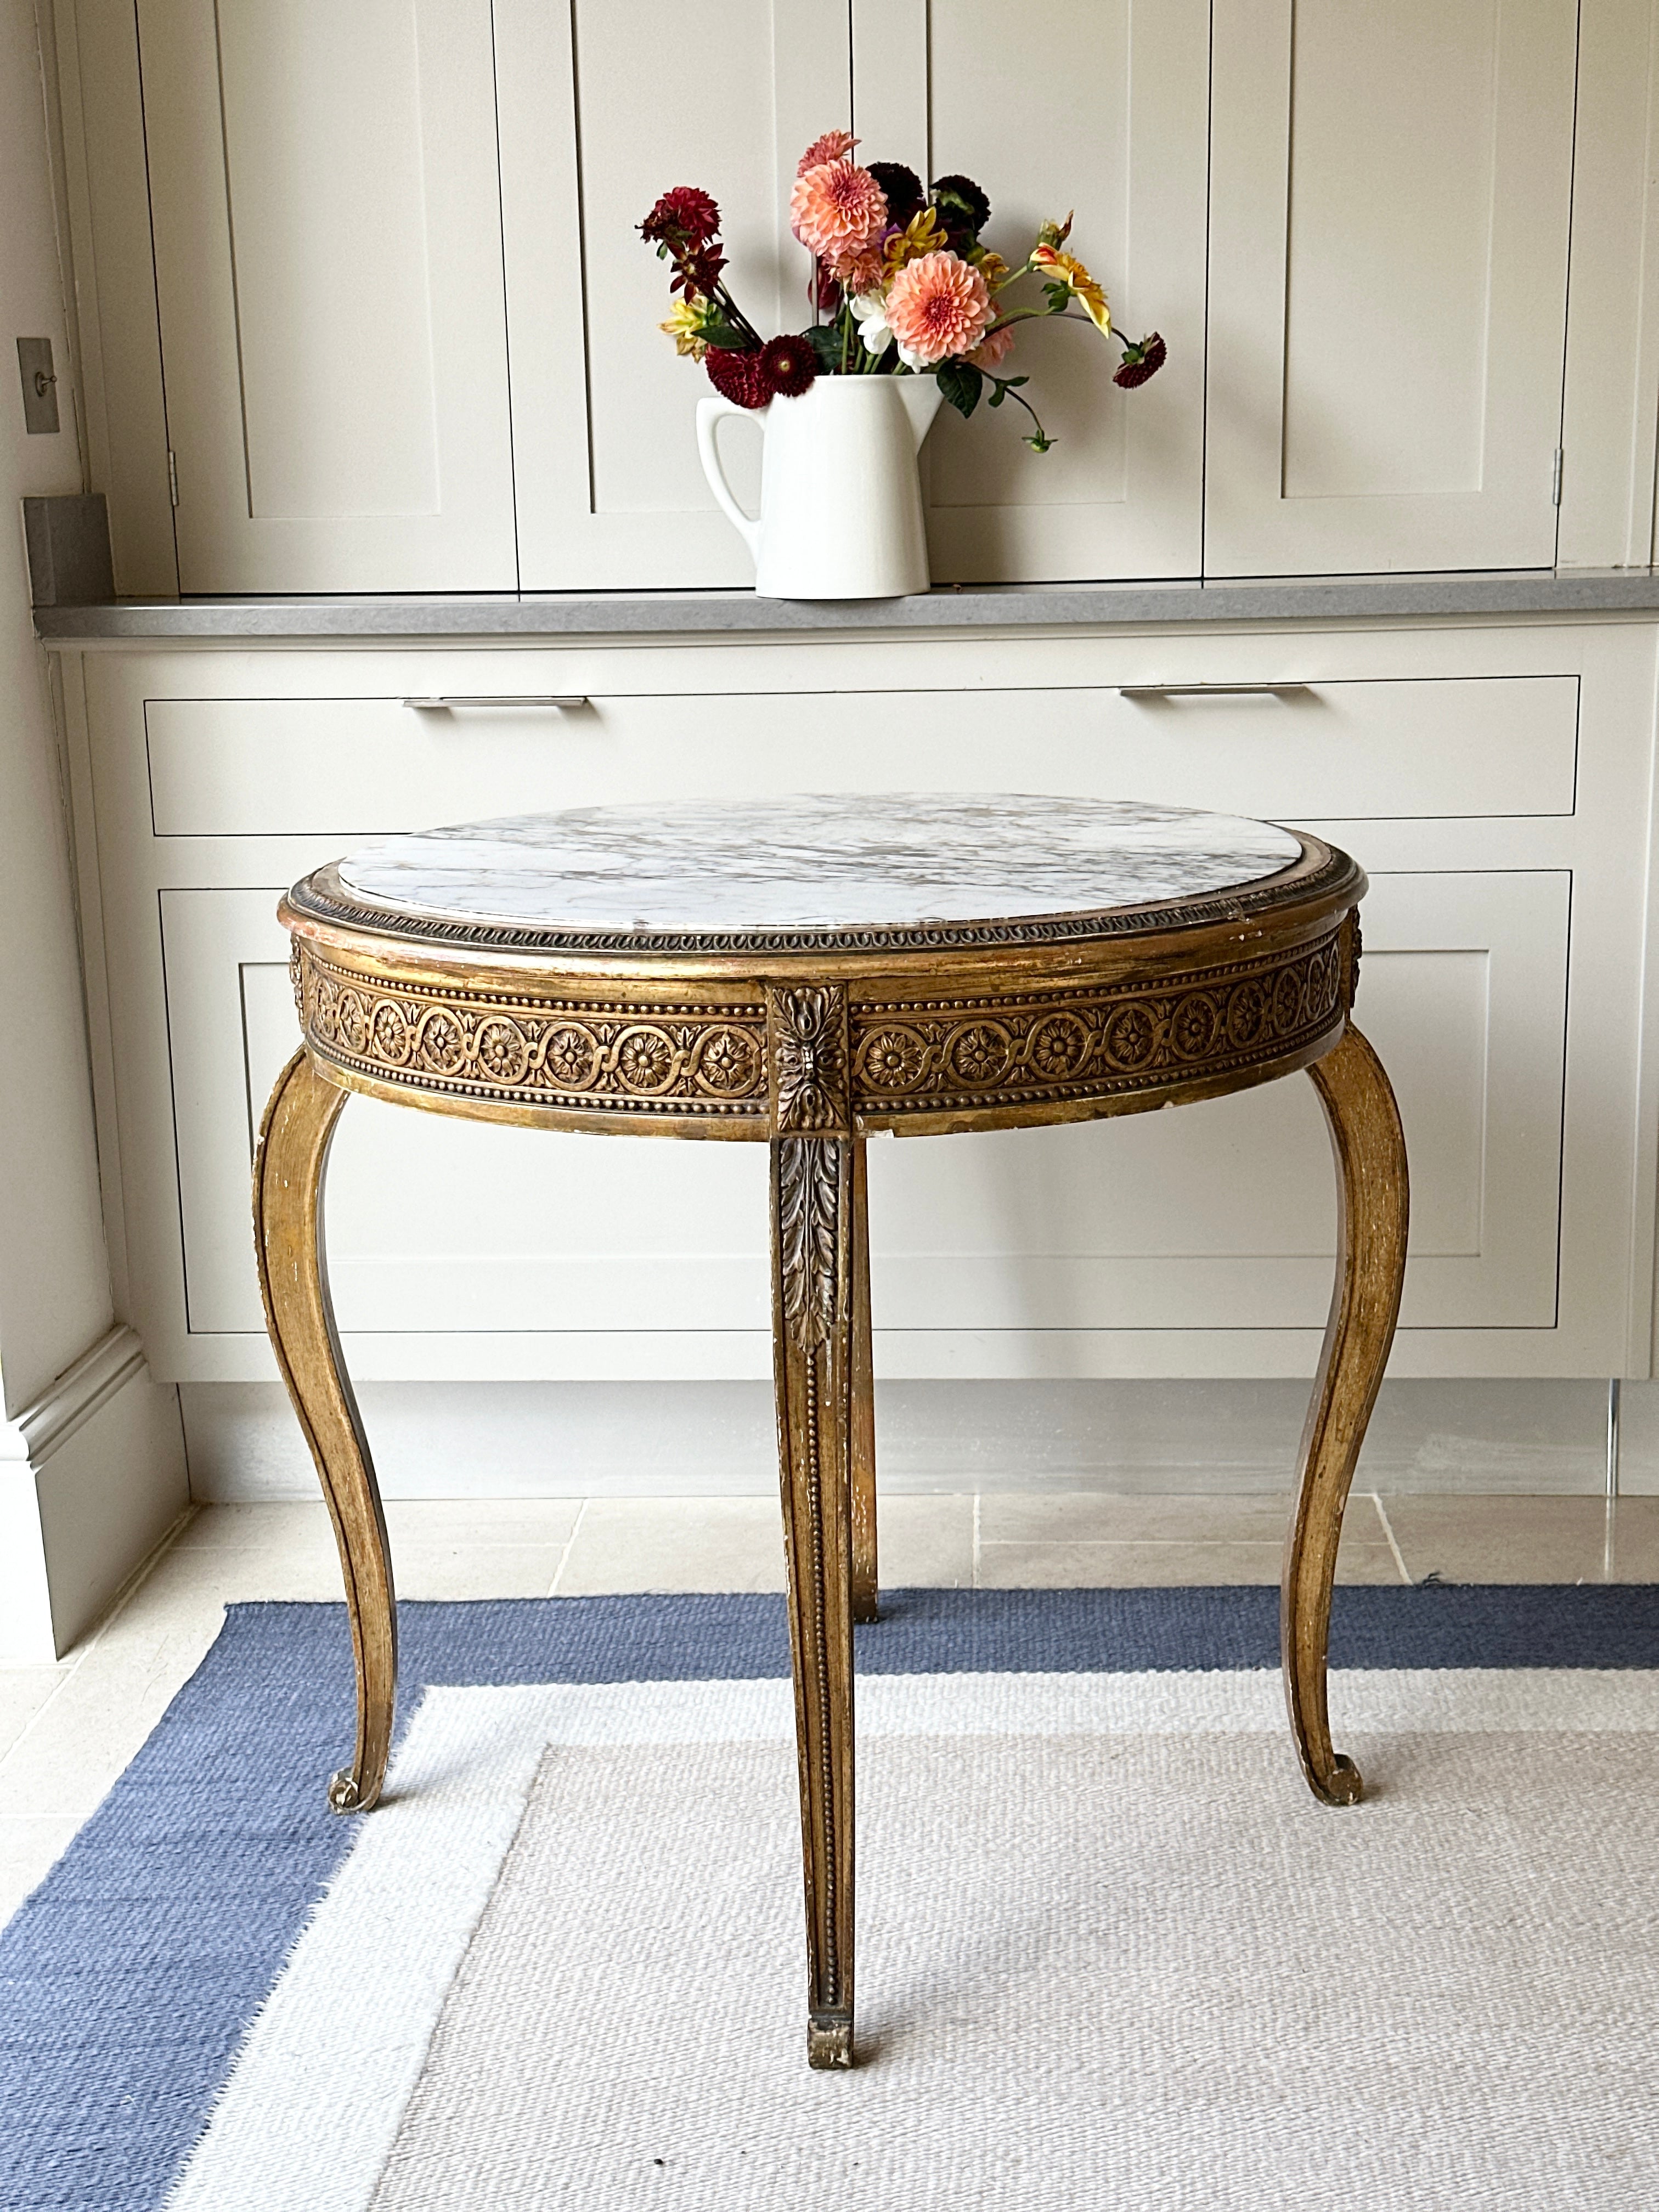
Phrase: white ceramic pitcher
pixel 840 507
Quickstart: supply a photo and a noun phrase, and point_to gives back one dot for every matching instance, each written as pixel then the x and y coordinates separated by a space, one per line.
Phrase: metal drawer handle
pixel 1210 691
pixel 495 699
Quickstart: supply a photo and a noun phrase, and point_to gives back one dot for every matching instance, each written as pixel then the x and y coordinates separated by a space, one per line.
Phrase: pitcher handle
pixel 709 413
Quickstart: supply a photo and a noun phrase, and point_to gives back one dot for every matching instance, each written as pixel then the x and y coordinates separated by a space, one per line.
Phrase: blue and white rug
pixel 1109 1949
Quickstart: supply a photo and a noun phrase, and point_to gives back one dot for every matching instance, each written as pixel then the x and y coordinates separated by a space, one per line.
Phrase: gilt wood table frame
pixel 810 1045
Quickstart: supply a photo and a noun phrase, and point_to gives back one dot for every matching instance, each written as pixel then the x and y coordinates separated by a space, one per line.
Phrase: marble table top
pixel 800 867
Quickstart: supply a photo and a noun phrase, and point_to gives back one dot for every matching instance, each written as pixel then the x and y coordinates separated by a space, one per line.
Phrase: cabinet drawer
pixel 1342 750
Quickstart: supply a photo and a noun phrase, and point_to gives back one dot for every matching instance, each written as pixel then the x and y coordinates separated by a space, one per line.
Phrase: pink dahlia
pixel 938 307
pixel 860 272
pixel 834 146
pixel 837 210
pixel 994 348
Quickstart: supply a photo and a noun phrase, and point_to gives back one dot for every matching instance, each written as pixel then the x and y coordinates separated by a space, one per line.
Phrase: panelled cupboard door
pixel 1117 130
pixel 328 256
pixel 479 1243
pixel 602 108
pixel 437 1227
pixel 1222 1215
pixel 1391 190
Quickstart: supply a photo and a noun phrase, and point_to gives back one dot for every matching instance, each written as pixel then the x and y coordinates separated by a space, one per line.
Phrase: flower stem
pixel 1035 314
pixel 736 318
pixel 1009 392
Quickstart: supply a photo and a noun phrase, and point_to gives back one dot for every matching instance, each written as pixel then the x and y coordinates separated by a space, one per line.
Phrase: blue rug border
pixel 128 1979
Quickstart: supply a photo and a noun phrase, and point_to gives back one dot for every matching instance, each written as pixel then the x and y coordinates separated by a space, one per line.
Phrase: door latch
pixel 39 387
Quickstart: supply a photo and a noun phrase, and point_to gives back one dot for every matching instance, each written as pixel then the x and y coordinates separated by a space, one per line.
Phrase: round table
pixel 801 973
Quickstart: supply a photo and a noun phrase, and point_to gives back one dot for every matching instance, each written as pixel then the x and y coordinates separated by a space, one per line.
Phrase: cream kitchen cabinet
pixel 601 109
pixel 408 340
pixel 327 232
pixel 1117 130
pixel 1390 209
pixel 1494 782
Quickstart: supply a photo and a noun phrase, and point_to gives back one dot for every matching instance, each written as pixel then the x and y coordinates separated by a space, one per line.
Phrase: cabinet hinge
pixel 172 475
pixel 1555 487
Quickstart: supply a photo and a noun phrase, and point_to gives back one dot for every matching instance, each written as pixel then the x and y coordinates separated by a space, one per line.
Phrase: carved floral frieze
pixel 698 1059
pixel 1072 1043
pixel 834 1061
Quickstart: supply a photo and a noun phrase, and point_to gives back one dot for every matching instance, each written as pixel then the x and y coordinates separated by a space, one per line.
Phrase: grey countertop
pixel 439 618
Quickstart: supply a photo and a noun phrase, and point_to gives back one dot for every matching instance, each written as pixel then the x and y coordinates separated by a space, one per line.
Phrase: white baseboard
pixel 620 1439
pixel 92 1475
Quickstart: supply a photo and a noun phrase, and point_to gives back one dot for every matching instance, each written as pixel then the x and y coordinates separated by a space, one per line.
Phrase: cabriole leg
pixel 288 1172
pixel 1372 1202
pixel 812 1209
pixel 867 1584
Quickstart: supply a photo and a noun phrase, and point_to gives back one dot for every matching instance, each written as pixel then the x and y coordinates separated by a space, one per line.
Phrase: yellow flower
pixel 992 267
pixel 684 326
pixel 1064 269
pixel 923 234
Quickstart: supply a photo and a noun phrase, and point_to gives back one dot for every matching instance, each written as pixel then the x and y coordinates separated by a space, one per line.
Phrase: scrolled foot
pixel 1345 1785
pixel 829 2040
pixel 344 1795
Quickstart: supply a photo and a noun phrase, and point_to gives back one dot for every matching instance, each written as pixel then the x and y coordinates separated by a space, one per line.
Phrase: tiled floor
pixel 66 1731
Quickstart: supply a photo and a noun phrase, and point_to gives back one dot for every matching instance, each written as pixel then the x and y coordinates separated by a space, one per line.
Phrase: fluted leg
pixel 288 1172
pixel 813 1338
pixel 866 1583
pixel 1372 1204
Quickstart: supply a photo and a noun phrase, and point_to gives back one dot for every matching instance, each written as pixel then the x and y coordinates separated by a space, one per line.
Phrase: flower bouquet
pixel 902 285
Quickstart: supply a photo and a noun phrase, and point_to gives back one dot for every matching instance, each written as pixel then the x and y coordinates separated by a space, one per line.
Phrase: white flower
pixel 871 312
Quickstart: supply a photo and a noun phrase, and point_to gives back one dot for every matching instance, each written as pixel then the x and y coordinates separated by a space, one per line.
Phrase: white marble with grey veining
pixel 903 861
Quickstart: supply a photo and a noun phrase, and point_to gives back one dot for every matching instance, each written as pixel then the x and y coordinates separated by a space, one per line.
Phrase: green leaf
pixel 1058 297
pixel 824 338
pixel 720 334
pixel 961 383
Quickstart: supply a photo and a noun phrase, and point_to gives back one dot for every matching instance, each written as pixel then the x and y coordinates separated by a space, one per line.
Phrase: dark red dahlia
pixel 828 295
pixel 960 207
pixel 789 365
pixel 1141 361
pixel 685 216
pixel 696 271
pixel 739 377
pixel 903 187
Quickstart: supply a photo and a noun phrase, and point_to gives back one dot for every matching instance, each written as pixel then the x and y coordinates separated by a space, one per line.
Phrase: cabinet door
pixel 1391 194
pixel 602 108
pixel 1116 130
pixel 453 1246
pixel 328 265
pixel 1221 1216
pixel 632 1255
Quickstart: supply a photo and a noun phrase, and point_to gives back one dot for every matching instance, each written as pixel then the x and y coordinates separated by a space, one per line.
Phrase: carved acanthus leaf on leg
pixel 809 1186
